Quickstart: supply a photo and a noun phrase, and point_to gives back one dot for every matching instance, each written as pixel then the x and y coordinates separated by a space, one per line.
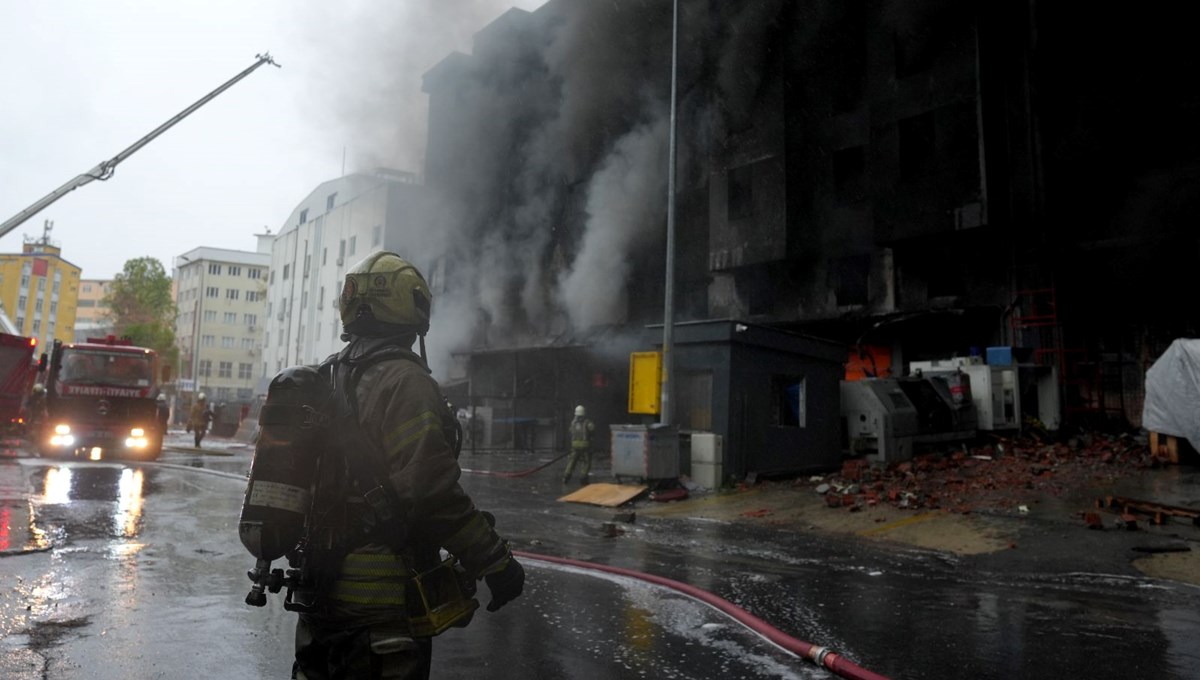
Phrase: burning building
pixel 912 180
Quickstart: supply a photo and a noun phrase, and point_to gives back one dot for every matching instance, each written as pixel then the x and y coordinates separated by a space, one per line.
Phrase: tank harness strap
pixel 366 463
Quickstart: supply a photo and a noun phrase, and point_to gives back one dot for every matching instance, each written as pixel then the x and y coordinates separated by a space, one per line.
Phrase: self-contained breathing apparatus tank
pixel 279 491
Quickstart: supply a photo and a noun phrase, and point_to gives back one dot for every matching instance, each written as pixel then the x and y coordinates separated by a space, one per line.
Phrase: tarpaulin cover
pixel 1172 404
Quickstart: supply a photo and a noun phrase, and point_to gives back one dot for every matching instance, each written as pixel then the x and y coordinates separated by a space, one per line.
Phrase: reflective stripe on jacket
pixel 581 433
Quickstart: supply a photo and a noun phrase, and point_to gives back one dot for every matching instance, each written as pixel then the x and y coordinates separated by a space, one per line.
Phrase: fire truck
pixel 17 370
pixel 100 401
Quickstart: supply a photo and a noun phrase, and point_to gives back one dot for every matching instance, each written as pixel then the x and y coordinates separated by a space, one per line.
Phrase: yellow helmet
pixel 385 295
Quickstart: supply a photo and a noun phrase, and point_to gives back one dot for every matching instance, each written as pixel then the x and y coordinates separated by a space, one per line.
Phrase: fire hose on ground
pixel 818 655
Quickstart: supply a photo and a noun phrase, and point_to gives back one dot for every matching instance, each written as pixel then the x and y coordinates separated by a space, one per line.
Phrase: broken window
pixel 852 279
pixel 849 175
pixel 917 145
pixel 741 195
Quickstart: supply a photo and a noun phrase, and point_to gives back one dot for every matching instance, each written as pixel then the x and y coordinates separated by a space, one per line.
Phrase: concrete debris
pixel 823 489
pixel 626 517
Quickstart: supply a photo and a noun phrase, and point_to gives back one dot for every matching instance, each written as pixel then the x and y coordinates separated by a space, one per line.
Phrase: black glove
pixel 506 585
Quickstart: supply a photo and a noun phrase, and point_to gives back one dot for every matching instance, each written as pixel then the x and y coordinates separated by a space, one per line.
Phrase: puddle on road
pixel 42 507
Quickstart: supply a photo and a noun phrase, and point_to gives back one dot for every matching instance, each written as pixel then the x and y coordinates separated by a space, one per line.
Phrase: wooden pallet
pixel 1158 512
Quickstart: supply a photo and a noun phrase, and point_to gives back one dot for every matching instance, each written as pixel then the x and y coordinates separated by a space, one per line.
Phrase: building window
pixel 22 301
pixel 37 306
pixel 244 371
pixel 225 369
pixel 87 287
pixel 41 285
pixel 303 216
pixel 272 278
pixel 207 340
pixel 254 273
pixel 321 299
pixel 233 293
pixel 376 235
pixel 788 401
pixel 210 315
pixel 329 201
pixel 849 171
pixel 37 327
pixel 252 296
pixel 53 308
pixel 303 299
pixel 214 269
pixel 341 250
pixel 917 145
pixel 324 256
pixel 205 368
pixel 212 292
pixel 231 317
pixel 741 196
pixel 307 261
pixel 245 394
pixel 228 341
pixel 286 269
pixel 25 281
pixel 318 336
pixel 247 343
pixel 853 276
pixel 235 271
pixel 57 284
pixel 353 240
pixel 250 319
pixel 20 322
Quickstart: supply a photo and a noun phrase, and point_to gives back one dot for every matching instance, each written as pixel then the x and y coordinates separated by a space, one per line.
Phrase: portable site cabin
pixel 771 395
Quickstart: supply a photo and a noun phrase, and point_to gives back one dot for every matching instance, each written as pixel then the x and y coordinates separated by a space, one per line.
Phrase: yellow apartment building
pixel 39 290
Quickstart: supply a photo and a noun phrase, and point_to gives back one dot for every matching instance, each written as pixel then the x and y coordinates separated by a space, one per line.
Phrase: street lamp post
pixel 668 359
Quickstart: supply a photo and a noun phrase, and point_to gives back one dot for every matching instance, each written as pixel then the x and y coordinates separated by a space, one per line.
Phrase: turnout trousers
pixel 378 652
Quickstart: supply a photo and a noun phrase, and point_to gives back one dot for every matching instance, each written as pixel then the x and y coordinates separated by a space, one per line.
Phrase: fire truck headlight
pixel 137 432
pixel 62 440
pixel 135 443
pixel 62 429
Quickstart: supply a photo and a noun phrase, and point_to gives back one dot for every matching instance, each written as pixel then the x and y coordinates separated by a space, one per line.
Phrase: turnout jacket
pixel 403 416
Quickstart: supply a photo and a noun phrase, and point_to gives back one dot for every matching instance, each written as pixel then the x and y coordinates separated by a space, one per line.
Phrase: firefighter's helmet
pixel 161 397
pixel 385 295
pixel 201 397
pixel 38 388
pixel 579 411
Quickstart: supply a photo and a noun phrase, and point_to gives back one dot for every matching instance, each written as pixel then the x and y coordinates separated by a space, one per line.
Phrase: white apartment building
pixel 337 225
pixel 222 300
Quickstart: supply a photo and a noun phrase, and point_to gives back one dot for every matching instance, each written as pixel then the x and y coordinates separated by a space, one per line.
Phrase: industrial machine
pixel 888 418
pixel 1002 393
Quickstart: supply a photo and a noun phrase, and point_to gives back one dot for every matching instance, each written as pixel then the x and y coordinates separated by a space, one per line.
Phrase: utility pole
pixel 666 417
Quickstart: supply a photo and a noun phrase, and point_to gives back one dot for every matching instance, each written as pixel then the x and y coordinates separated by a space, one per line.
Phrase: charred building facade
pixel 917 178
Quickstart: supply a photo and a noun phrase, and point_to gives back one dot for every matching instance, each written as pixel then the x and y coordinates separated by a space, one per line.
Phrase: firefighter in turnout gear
pixel 582 430
pixel 397 491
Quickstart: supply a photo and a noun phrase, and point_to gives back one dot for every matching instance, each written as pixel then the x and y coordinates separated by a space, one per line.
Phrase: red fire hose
pixel 821 656
pixel 521 473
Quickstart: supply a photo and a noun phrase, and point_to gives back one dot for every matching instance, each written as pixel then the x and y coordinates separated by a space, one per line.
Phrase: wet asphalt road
pixel 135 571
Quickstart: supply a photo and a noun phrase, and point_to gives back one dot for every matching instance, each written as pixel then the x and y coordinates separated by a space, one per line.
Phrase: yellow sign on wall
pixel 645 382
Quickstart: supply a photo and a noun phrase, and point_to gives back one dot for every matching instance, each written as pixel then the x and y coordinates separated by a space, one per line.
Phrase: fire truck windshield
pixel 91 367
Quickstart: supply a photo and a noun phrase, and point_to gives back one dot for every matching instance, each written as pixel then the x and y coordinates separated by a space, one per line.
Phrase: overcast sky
pixel 82 80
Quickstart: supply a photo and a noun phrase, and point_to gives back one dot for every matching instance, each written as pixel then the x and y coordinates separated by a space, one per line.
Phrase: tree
pixel 142 308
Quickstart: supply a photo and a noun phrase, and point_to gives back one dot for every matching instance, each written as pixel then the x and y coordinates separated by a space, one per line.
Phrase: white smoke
pixel 625 206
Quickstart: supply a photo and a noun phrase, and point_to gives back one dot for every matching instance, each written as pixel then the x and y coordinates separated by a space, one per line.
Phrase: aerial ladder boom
pixel 106 168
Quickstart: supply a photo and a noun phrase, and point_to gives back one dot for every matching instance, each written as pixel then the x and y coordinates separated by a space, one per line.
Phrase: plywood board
pixel 607 495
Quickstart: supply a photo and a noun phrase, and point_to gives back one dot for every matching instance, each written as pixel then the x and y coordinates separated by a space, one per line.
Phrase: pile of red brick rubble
pixel 1002 475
